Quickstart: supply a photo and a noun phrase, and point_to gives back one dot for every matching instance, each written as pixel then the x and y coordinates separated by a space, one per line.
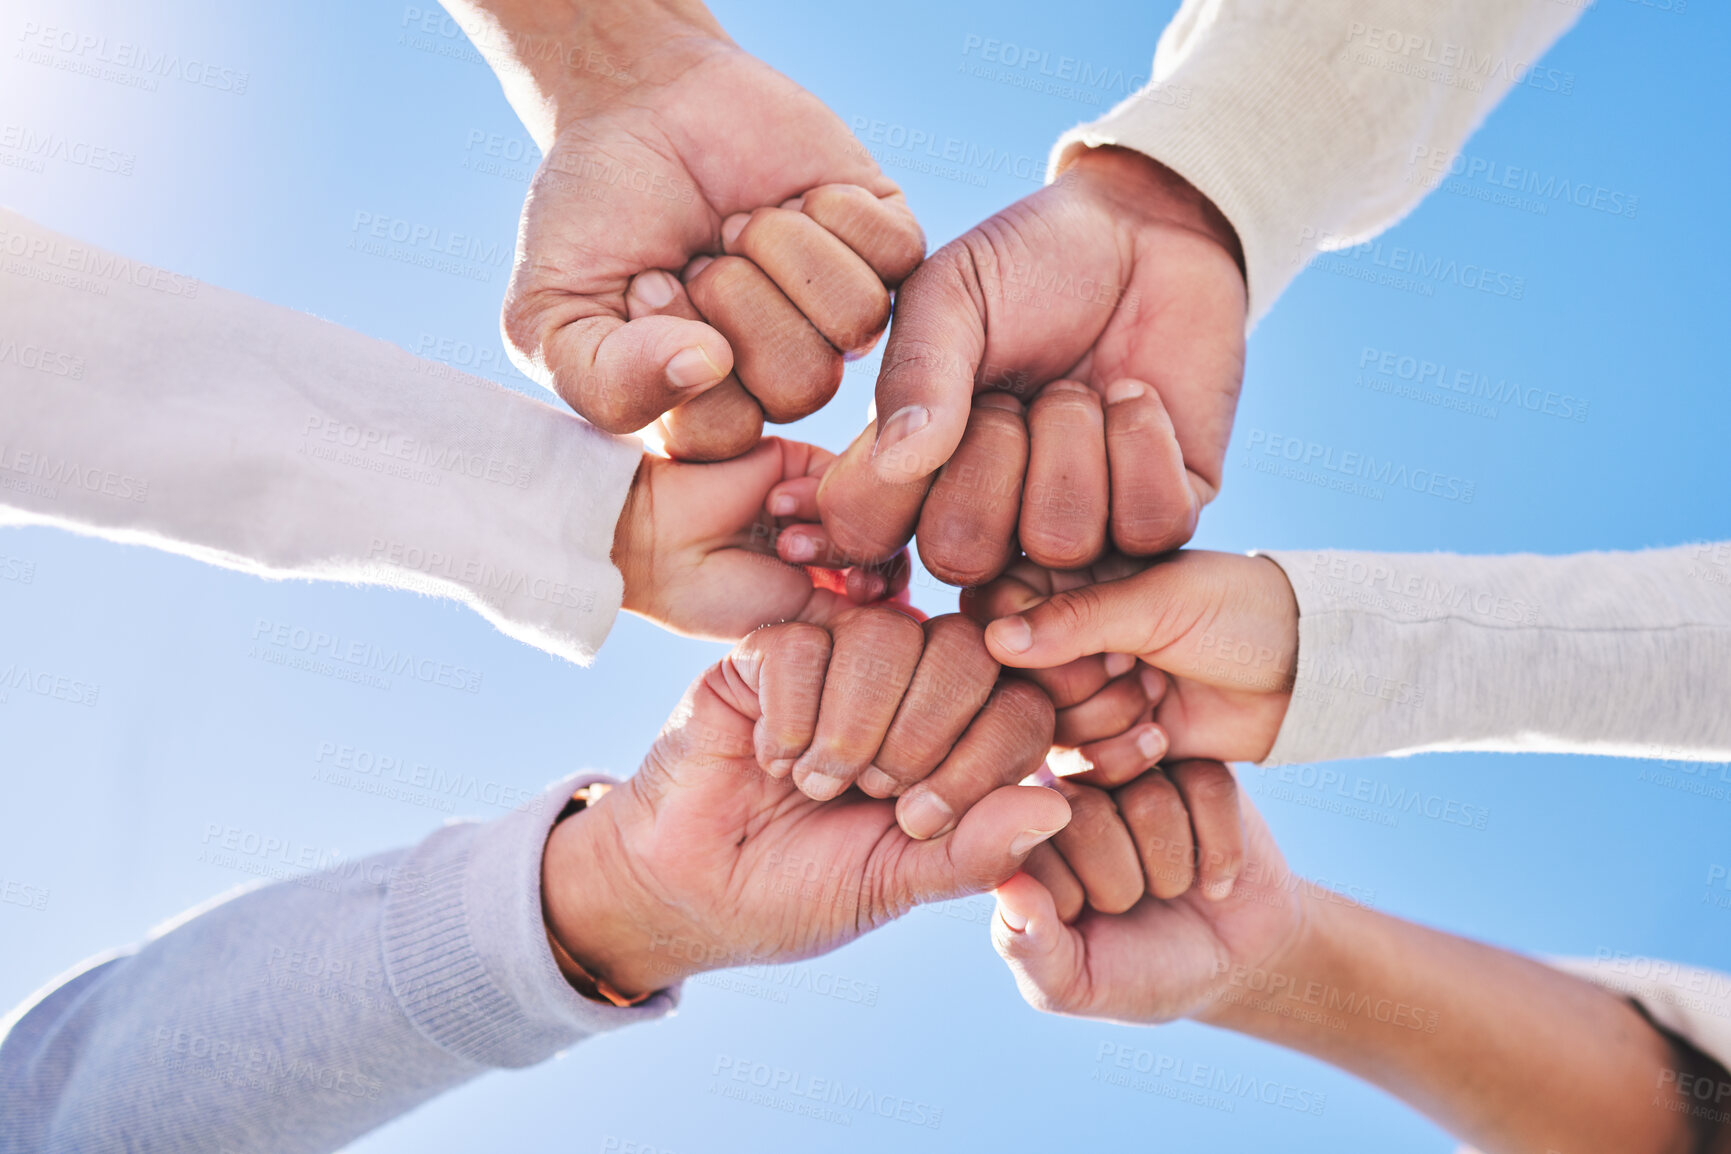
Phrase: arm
pixel 298 1016
pixel 1501 1050
pixel 1315 656
pixel 1315 124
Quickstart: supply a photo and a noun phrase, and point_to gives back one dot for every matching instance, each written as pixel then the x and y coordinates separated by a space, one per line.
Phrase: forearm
pixel 557 59
pixel 178 415
pixel 1502 1051
pixel 1313 124
pixel 1613 653
pixel 299 1016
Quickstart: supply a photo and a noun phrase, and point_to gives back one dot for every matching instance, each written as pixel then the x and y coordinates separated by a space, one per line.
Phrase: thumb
pixel 1111 617
pixel 989 845
pixel 871 500
pixel 1047 957
pixel 622 375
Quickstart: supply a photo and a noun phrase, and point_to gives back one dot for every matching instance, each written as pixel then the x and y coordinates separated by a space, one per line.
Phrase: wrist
pixel 560 61
pixel 590 912
pixel 632 552
pixel 1285 995
pixel 1149 190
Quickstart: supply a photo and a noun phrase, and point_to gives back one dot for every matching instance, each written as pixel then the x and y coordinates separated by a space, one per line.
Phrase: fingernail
pixel 820 786
pixel 780 767
pixel 794 203
pixel 697 265
pixel 733 226
pixel 654 289
pixel 872 587
pixel 1120 391
pixel 1118 664
pixel 877 783
pixel 905 423
pixel 1219 890
pixel 1151 743
pixel 1014 920
pixel 692 367
pixel 923 814
pixel 782 505
pixel 1153 681
pixel 1028 839
pixel 1011 634
pixel 798 548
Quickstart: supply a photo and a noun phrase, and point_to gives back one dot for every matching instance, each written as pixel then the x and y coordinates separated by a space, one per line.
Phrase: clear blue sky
pixel 108 807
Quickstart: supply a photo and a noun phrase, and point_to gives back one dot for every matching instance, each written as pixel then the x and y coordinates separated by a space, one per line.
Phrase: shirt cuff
pixel 466 951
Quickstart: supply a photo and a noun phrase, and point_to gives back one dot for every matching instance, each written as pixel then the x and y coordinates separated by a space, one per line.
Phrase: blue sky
pixel 327 110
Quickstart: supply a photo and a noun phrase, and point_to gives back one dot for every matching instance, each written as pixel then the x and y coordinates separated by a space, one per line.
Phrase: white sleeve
pixel 1315 124
pixel 1625 654
pixel 141 406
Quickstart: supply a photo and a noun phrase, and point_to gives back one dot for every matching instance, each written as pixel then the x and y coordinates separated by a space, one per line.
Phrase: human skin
pixel 703 860
pixel 1506 1053
pixel 1104 315
pixel 704 242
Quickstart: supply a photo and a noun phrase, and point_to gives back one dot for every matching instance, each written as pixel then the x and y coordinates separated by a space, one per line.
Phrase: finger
pixel 1154 507
pixel 930 362
pixel 1158 819
pixel 874 653
pixel 721 422
pixel 953 682
pixel 1211 795
pixel 837 291
pixel 1118 705
pixel 1047 866
pixel 989 845
pixel 1071 683
pixel 1111 617
pixel 1113 761
pixel 1006 741
pixel 882 230
pixel 784 666
pixel 795 499
pixel 784 363
pixel 1047 957
pixel 868 518
pixel 1099 848
pixel 967 530
pixel 622 375
pixel 1064 500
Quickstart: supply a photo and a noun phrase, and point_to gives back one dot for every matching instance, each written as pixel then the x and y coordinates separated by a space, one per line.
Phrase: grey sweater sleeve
pixel 298 1016
pixel 1626 654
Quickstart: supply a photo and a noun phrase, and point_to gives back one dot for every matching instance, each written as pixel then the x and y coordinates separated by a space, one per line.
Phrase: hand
pixel 677 145
pixel 703 861
pixel 1223 627
pixel 1120 282
pixel 696 546
pixel 1165 958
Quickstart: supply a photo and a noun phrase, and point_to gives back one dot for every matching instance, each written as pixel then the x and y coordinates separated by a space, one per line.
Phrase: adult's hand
pixel 1165 958
pixel 702 860
pixel 1223 627
pixel 664 141
pixel 1121 283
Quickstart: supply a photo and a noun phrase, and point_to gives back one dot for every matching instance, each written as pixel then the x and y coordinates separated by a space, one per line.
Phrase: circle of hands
pixel 699 255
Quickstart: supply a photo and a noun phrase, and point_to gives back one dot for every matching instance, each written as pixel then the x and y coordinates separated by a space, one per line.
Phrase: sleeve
pixel 1624 654
pixel 1313 125
pixel 141 406
pixel 298 1016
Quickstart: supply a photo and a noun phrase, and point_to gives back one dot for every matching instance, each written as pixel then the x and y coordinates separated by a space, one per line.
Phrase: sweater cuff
pixel 466 950
pixel 1224 111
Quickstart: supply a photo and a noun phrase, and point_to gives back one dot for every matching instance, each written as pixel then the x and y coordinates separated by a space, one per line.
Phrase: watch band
pixel 585 983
